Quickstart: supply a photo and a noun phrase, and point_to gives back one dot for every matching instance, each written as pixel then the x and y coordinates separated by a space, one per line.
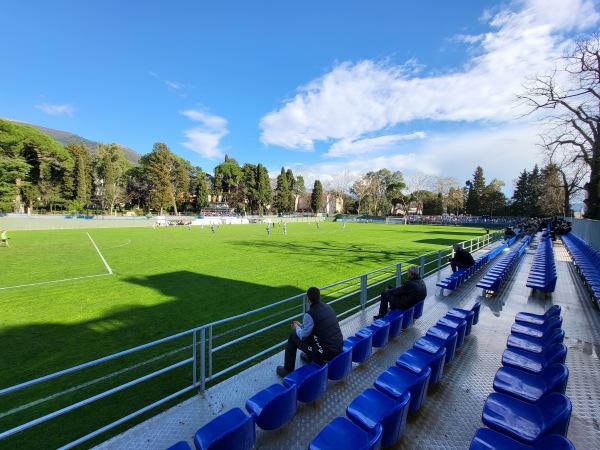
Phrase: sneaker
pixel 282 371
pixel 304 357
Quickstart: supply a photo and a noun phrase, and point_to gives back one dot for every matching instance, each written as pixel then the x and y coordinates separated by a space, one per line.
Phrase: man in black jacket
pixel 462 259
pixel 406 296
pixel 319 336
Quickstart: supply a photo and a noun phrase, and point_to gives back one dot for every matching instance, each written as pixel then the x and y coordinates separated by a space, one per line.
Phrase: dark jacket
pixel 410 293
pixel 463 256
pixel 326 333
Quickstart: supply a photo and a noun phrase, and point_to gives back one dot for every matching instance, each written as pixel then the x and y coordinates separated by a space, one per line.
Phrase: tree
pixel 263 188
pixel 82 173
pixel 521 195
pixel 316 199
pixel 495 200
pixel 110 175
pixel 283 199
pixel 476 193
pixel 228 177
pixel 551 200
pixel 571 96
pixel 13 167
pixel 157 166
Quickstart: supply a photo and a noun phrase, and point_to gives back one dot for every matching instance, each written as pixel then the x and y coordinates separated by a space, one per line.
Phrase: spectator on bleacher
pixel 404 297
pixel 319 335
pixel 462 259
pixel 509 233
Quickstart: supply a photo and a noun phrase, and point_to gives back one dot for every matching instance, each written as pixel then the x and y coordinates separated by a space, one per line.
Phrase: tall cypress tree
pixel 316 199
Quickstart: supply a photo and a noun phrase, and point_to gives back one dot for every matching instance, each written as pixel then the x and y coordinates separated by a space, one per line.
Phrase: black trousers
pixel 308 346
pixel 388 301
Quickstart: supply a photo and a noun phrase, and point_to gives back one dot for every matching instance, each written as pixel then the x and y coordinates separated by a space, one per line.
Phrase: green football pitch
pixel 71 296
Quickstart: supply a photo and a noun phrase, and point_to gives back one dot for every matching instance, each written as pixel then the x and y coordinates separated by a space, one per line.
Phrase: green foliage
pixel 316 199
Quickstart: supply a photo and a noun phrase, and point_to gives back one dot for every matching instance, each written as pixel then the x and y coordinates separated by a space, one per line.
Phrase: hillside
pixel 64 137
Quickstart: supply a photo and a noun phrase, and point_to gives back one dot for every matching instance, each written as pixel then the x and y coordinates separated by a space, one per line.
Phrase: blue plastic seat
pixel 408 317
pixel 232 429
pixel 416 360
pixel 456 324
pixel 488 439
pixel 373 407
pixel 537 331
pixel 395 381
pixel 362 347
pixel 340 365
pixel 343 433
pixel 470 315
pixel 395 318
pixel 527 422
pixel 273 406
pixel 529 387
pixel 535 345
pixel 538 319
pixel 380 329
pixel 448 335
pixel 181 445
pixel 418 310
pixel 311 380
pixel 534 362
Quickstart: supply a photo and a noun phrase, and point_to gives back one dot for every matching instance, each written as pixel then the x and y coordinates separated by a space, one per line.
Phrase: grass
pixel 61 307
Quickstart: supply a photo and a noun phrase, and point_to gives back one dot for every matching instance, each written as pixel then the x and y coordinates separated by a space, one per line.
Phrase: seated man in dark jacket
pixel 462 259
pixel 406 296
pixel 319 335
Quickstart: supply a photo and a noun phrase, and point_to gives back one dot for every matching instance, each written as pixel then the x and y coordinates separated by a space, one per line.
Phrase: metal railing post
pixel 363 291
pixel 422 266
pixel 194 358
pixel 203 359
pixel 398 274
pixel 439 267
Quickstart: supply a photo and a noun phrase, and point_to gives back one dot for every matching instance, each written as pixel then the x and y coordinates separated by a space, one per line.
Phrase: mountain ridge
pixel 66 137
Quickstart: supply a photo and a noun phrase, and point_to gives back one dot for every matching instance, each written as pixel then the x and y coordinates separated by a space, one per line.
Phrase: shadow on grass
pixel 188 299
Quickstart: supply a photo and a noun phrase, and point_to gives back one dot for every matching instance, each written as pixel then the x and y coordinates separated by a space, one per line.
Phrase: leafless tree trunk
pixel 571 95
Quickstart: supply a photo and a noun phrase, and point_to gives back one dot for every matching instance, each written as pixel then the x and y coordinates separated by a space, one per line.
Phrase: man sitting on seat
pixel 509 233
pixel 406 296
pixel 462 259
pixel 319 336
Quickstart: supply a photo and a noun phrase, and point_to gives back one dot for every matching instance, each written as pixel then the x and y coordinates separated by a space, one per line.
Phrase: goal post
pixel 395 220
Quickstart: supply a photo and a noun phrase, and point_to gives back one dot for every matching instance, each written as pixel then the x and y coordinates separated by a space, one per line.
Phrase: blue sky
pixel 331 89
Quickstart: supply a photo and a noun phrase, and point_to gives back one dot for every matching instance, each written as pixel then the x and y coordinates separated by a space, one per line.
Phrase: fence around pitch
pixel 131 383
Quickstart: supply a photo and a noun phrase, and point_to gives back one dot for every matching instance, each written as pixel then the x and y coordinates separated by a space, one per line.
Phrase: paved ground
pixel 452 412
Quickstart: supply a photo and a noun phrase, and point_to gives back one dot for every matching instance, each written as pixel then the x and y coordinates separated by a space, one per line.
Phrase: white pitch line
pixel 101 257
pixel 54 281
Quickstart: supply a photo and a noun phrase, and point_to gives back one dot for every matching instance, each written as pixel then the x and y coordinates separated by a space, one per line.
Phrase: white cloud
pixel 173 85
pixel 352 103
pixel 205 138
pixel 56 110
pixel 347 147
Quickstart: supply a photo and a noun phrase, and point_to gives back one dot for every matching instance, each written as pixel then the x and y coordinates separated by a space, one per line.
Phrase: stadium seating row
pixel 275 405
pixel 528 409
pixel 587 262
pixel 377 417
pixel 497 275
pixel 542 275
pixel 453 281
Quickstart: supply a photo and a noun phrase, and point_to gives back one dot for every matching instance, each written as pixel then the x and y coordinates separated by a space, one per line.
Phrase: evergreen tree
pixel 263 188
pixel 521 195
pixel 157 168
pixel 282 197
pixel 316 199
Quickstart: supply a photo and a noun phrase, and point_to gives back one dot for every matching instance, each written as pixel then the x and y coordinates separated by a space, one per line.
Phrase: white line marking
pixel 54 281
pixel 101 257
